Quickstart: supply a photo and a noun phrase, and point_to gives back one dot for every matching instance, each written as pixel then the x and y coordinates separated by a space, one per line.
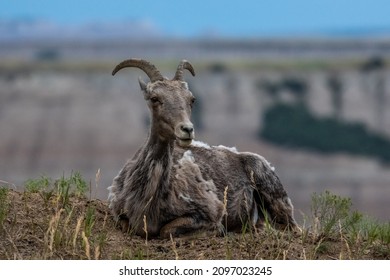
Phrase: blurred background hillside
pixel 307 85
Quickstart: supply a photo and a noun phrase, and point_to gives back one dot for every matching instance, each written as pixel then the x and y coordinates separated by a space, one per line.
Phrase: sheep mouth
pixel 184 142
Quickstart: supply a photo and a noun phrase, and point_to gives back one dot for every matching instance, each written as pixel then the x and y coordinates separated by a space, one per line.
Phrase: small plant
pixel 46 195
pixel 63 188
pixel 3 205
pixel 37 185
pixel 228 249
pixel 371 230
pixel 43 186
pixel 139 254
pixel 101 239
pixel 75 184
pixel 332 214
pixel 89 221
pixel 384 233
pixel 79 184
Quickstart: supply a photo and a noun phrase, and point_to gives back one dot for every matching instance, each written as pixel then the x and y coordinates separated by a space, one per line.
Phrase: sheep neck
pixel 153 166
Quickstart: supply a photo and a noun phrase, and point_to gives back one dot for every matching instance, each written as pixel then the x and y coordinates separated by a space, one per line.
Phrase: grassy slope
pixel 41 223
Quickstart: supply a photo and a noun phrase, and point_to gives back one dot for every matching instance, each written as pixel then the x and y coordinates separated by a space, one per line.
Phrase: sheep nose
pixel 187 128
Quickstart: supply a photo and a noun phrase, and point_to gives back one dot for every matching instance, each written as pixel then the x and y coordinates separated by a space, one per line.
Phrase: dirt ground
pixel 43 226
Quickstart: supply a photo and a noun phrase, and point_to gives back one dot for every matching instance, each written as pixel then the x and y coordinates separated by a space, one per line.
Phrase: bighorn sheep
pixel 174 185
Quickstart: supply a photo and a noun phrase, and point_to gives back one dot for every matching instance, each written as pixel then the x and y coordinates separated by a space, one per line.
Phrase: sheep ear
pixel 142 84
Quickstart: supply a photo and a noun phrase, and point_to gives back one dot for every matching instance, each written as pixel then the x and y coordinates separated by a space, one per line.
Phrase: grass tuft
pixel 37 185
pixel 4 205
pixel 89 220
pixel 332 213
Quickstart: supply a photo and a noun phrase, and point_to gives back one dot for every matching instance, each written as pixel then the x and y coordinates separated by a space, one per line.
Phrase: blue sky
pixel 198 17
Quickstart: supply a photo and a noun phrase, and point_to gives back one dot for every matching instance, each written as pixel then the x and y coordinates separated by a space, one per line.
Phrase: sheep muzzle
pixel 184 133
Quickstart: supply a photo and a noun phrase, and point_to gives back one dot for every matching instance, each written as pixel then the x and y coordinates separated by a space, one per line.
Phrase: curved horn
pixel 184 64
pixel 147 67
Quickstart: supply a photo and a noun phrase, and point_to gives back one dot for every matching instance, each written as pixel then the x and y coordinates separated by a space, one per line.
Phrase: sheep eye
pixel 154 100
pixel 193 101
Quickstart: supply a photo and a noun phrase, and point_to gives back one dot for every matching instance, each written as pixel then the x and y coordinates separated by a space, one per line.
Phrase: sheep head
pixel 170 101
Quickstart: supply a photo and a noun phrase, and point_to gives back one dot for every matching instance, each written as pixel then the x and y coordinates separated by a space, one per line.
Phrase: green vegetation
pixel 36 185
pixel 4 204
pixel 295 126
pixel 70 226
pixel 333 219
pixel 332 214
pixel 89 220
pixel 63 187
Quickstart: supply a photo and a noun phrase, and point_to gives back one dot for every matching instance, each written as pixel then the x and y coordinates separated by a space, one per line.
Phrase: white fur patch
pixel 185 198
pixel 232 149
pixel 269 164
pixel 185 85
pixel 111 194
pixel 255 215
pixel 187 156
pixel 200 144
pixel 290 203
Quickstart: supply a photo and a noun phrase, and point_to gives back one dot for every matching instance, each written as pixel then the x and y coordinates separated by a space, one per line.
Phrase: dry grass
pixel 37 226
